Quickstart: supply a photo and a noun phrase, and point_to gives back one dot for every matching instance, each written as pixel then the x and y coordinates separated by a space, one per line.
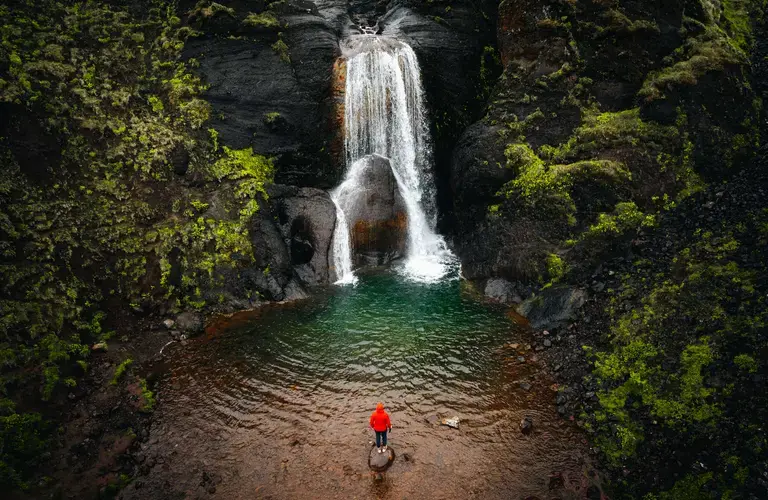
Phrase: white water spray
pixel 384 114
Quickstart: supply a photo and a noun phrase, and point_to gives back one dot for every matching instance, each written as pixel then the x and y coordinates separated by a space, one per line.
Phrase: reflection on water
pixel 278 405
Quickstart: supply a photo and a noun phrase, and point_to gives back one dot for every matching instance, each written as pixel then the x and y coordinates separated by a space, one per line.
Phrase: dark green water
pixel 277 402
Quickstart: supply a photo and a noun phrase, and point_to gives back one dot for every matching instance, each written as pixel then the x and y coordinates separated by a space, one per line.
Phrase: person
pixel 380 423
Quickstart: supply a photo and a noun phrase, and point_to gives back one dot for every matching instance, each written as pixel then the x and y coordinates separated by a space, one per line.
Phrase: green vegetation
pixel 120 371
pixel 263 20
pixel 91 209
pixel 626 217
pixel 149 397
pixel 21 445
pixel 678 372
pixel 270 118
pixel 281 49
pixel 725 41
pixel 595 177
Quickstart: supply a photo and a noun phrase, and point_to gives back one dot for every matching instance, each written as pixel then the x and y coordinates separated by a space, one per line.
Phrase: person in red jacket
pixel 380 423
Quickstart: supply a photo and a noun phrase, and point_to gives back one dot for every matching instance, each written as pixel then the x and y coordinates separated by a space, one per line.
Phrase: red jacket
pixel 380 420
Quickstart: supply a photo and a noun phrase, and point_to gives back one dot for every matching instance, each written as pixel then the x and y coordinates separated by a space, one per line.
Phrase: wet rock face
pixel 272 99
pixel 378 221
pixel 283 103
pixel 306 219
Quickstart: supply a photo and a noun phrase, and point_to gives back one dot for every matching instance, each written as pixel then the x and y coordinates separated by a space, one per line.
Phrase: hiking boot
pixel 378 450
pixel 384 449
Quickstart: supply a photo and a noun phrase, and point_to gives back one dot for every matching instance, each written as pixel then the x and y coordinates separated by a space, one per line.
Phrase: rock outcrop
pixel 599 113
pixel 377 216
pixel 306 218
pixel 272 82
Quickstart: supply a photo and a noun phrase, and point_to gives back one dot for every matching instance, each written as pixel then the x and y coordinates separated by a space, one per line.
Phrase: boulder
pixel 553 307
pixel 376 214
pixel 380 462
pixel 306 219
pixel 502 291
pixel 190 322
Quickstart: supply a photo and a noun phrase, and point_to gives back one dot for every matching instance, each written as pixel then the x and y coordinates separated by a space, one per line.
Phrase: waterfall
pixel 385 115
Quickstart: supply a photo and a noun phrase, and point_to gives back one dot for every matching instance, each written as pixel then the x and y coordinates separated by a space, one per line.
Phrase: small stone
pixel 526 425
pixel 211 489
pixel 521 359
pixel 547 343
pixel 525 386
pixel 100 347
pixel 168 323
pixel 451 422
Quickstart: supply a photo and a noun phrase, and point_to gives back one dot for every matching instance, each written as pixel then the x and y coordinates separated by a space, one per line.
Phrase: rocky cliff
pixel 604 113
pixel 614 187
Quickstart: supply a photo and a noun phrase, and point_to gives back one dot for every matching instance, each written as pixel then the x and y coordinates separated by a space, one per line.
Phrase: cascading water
pixel 384 114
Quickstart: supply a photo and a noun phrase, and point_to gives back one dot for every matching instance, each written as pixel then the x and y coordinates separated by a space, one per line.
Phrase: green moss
pixel 611 130
pixel 120 371
pixel 626 217
pixel 556 267
pixel 149 397
pixel 22 444
pixel 708 52
pixel 264 20
pixel 270 118
pixel 282 50
pixel 746 362
pixel 618 22
pixel 209 9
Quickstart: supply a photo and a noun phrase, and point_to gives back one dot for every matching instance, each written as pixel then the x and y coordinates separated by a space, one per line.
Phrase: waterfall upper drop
pixel 384 115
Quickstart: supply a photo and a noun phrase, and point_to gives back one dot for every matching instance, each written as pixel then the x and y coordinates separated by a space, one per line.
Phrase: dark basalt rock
pixel 306 219
pixel 380 462
pixel 249 79
pixel 526 425
pixel 553 306
pixel 379 222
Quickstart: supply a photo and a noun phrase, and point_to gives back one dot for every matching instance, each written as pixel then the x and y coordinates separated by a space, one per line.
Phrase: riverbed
pixel 275 403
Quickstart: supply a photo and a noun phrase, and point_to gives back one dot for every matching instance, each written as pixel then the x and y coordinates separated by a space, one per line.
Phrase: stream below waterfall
pixel 275 403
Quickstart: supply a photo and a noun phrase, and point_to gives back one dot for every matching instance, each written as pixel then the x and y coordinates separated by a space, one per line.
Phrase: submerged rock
pixel 452 422
pixel 526 425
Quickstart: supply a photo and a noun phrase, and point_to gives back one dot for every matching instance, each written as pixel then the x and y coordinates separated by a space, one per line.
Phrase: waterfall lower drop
pixel 384 114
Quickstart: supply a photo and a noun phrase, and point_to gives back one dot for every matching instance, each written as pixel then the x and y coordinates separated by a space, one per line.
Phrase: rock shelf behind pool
pixel 379 462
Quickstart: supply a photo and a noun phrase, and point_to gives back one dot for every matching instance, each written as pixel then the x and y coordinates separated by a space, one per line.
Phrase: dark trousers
pixel 381 438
